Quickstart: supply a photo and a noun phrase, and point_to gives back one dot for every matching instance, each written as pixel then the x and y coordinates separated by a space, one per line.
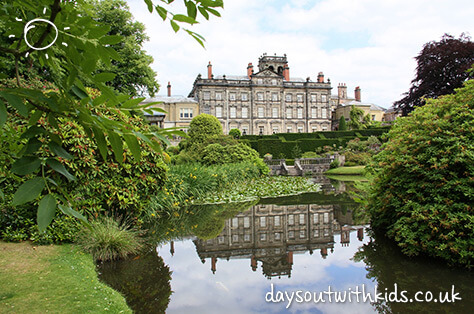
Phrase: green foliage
pixel 423 192
pixel 203 127
pixel 235 133
pixel 357 158
pixel 107 239
pixel 296 152
pixel 310 155
pixel 98 186
pixel 356 121
pixel 214 154
pixel 334 164
pixel 342 124
pixel 69 66
pixel 133 74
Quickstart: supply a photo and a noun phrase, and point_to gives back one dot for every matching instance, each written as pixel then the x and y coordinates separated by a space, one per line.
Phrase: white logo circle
pixel 28 27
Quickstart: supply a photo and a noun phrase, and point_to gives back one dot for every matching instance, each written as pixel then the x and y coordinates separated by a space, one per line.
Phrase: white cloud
pixel 382 65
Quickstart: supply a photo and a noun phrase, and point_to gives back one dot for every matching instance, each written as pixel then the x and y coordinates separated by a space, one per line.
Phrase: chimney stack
pixel 286 72
pixel 320 77
pixel 209 71
pixel 342 91
pixel 249 70
pixel 357 93
pixel 169 89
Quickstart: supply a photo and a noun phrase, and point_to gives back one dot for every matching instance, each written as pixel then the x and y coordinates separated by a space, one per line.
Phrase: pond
pixel 300 254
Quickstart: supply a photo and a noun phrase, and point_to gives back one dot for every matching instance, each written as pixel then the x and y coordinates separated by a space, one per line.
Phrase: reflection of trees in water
pixel 144 280
pixel 386 264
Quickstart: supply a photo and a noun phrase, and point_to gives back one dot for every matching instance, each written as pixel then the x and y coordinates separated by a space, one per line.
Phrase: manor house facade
pixel 267 101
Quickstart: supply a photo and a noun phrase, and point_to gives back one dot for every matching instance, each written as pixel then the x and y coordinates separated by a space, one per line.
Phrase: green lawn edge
pixel 356 170
pixel 53 279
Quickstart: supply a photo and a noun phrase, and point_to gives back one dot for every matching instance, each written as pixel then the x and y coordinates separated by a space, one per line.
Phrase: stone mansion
pixel 265 101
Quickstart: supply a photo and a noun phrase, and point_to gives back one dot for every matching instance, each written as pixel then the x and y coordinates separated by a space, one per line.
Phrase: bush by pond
pixel 423 194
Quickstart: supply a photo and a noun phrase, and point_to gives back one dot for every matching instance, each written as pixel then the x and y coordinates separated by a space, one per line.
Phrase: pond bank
pixel 356 170
pixel 39 279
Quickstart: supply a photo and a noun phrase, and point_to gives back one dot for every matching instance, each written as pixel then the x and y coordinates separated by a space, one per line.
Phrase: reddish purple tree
pixel 442 67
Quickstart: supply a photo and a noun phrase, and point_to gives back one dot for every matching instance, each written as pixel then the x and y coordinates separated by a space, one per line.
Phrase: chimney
pixel 357 93
pixel 169 89
pixel 286 72
pixel 342 91
pixel 209 71
pixel 320 77
pixel 250 70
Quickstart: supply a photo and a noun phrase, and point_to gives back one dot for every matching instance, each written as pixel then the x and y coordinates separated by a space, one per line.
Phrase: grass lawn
pixel 356 170
pixel 53 279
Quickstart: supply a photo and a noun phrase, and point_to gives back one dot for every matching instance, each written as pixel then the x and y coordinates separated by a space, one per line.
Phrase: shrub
pixel 342 124
pixel 108 240
pixel 358 158
pixel 334 164
pixel 296 152
pixel 310 155
pixel 202 127
pixel 99 186
pixel 423 193
pixel 235 133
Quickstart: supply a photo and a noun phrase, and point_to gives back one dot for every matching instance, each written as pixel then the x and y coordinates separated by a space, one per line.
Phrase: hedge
pixel 284 143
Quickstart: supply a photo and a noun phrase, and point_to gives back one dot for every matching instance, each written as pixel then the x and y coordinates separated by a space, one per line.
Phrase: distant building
pixel 342 106
pixel 180 110
pixel 266 102
pixel 391 114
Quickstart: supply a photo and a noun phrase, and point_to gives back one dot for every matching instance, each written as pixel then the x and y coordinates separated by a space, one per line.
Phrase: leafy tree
pixel 296 152
pixel 342 124
pixel 134 75
pixel 202 127
pixel 423 193
pixel 81 44
pixel 442 67
pixel 356 118
pixel 235 133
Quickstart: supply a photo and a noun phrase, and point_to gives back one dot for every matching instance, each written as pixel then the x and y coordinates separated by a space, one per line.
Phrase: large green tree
pixel 77 45
pixel 134 76
pixel 423 193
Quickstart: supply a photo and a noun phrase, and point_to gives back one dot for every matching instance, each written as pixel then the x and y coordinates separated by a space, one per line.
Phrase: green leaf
pixel 28 191
pixel 46 211
pixel 100 141
pixel 26 165
pixel 132 103
pixel 133 145
pixel 111 40
pixel 162 12
pixel 204 12
pixel 59 151
pixel 183 18
pixel 215 12
pixel 191 9
pixel 2 196
pixel 32 146
pixel 33 131
pixel 117 145
pixel 104 77
pixel 174 26
pixel 66 209
pixel 59 167
pixel 35 117
pixel 3 113
pixel 16 103
pixel 149 3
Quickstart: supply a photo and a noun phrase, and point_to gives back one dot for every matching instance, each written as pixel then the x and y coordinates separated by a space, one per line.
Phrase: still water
pixel 244 258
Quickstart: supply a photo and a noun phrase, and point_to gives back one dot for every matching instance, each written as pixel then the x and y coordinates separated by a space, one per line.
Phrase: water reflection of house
pixel 272 234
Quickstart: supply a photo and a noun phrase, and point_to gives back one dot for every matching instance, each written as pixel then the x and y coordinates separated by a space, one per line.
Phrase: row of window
pixel 277 236
pixel 275 113
pixel 276 129
pixel 277 220
pixel 186 113
pixel 261 97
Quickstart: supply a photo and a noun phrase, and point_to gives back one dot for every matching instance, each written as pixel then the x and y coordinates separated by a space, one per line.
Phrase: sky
pixel 366 43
